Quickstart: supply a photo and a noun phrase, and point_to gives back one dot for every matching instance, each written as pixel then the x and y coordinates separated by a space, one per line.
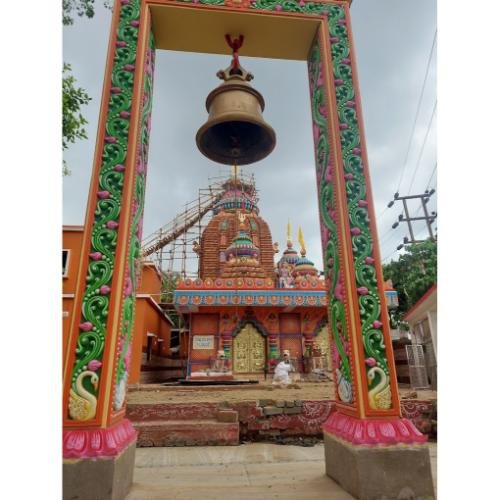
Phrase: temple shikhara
pixel 249 301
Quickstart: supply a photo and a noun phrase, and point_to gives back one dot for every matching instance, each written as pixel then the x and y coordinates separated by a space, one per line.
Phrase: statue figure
pixel 285 275
pixel 282 369
pixel 281 373
pixel 220 365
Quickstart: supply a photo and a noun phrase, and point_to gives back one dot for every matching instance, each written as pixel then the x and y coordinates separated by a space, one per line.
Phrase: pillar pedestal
pixel 390 460
pixel 98 464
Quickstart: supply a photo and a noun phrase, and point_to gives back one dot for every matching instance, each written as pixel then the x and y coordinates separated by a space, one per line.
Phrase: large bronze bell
pixel 235 132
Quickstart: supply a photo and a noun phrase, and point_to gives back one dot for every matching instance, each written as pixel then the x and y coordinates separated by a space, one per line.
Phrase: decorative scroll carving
pixel 128 308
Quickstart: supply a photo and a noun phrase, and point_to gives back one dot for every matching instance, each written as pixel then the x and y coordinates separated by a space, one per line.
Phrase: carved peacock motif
pixel 380 396
pixel 82 404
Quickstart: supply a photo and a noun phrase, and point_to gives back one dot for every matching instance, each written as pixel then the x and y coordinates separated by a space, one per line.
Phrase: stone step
pixel 167 412
pixel 187 433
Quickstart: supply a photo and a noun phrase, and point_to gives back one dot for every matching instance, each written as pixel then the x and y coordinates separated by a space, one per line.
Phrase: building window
pixel 65 263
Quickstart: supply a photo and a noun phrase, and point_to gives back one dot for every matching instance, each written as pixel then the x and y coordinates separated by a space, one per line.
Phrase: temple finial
pixel 288 235
pixel 301 241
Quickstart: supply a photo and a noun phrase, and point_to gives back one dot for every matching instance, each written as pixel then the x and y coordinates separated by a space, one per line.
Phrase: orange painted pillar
pixel 367 401
pixel 364 433
pixel 97 360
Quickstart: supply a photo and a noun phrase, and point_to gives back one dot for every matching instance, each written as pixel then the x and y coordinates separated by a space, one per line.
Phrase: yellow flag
pixel 301 240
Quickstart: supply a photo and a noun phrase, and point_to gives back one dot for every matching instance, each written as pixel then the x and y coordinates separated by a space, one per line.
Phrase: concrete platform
pixel 385 472
pixel 102 478
pixel 250 471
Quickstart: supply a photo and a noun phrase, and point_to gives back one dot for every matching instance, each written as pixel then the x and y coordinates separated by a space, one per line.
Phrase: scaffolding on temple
pixel 171 246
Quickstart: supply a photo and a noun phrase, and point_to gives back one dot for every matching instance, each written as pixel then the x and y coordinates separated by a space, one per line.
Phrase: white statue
pixel 281 373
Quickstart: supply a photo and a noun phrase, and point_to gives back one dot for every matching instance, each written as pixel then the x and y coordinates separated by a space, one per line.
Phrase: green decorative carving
pixel 127 320
pixel 355 181
pixel 95 303
pixel 329 230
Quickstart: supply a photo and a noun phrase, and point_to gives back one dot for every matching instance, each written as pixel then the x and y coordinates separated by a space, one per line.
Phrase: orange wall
pixel 72 241
pixel 150 281
pixel 148 318
pixel 67 307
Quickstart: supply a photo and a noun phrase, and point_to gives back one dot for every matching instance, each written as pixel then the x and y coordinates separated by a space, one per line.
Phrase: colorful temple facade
pixel 249 302
pixel 243 303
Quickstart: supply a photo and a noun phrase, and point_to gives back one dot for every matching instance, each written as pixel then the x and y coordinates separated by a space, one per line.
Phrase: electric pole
pixel 428 218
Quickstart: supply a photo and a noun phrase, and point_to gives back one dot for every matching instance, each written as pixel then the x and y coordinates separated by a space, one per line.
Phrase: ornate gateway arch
pixel 367 413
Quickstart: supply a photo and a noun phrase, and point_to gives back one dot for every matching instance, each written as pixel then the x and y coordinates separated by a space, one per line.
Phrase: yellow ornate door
pixel 323 341
pixel 249 351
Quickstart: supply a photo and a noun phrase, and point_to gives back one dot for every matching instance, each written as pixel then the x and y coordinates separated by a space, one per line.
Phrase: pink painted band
pixel 373 432
pixel 89 443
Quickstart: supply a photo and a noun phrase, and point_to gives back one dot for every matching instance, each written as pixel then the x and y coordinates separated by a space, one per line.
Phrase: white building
pixel 422 318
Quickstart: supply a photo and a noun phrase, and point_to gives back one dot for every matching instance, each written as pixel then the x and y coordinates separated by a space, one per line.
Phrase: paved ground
pixel 256 471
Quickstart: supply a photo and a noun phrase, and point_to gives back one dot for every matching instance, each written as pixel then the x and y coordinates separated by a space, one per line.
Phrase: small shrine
pixel 245 311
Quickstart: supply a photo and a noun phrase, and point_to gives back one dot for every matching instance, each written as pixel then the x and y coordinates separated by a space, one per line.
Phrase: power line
pixel 382 213
pixel 429 59
pixel 390 231
pixel 392 253
pixel 432 175
pixel 418 110
pixel 423 146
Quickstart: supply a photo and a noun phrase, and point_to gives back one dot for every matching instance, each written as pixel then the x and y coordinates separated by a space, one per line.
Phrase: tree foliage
pixel 73 122
pixel 169 282
pixel 413 273
pixel 74 97
pixel 82 8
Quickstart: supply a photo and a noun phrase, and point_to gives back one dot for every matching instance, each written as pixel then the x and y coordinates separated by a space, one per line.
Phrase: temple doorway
pixel 322 340
pixel 249 351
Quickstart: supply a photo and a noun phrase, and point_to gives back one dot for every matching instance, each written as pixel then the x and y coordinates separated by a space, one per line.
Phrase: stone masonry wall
pixel 223 423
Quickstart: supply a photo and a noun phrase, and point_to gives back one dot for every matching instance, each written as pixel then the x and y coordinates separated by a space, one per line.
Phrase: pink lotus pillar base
pixel 89 443
pixel 373 432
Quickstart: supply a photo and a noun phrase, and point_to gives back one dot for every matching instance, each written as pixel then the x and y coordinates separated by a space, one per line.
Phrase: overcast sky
pixel 393 40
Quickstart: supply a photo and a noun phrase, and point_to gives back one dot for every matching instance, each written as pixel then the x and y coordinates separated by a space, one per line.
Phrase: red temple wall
pixel 203 324
pixel 289 328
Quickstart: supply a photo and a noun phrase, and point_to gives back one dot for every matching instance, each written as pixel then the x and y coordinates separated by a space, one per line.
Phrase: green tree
pixel 74 97
pixel 412 274
pixel 169 282
pixel 73 122
pixel 81 8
